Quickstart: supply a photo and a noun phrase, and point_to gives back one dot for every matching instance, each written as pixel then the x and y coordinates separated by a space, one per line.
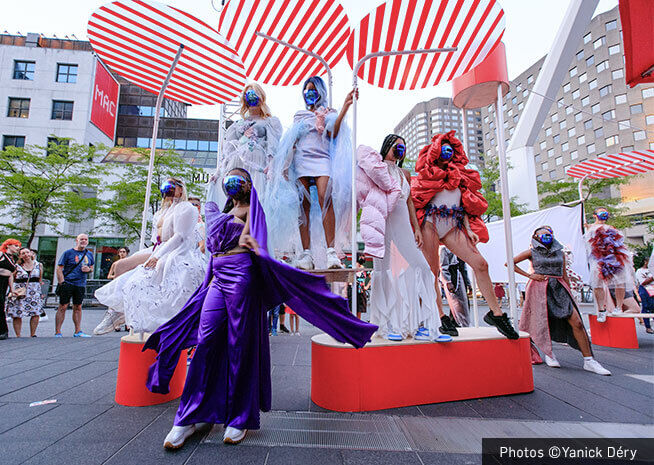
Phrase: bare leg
pixel 18 324
pixel 329 220
pixel 59 317
pixel 430 251
pixel 34 323
pixel 580 334
pixel 306 207
pixel 630 306
pixel 619 298
pixel 77 317
pixel 600 295
pixel 461 246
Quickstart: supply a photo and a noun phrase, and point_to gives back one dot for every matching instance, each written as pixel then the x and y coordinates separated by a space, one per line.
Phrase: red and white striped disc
pixel 320 26
pixel 139 39
pixel 475 27
pixel 614 165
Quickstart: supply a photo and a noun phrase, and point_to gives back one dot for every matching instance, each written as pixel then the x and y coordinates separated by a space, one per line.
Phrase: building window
pixel 583 77
pixel 556 138
pixel 13 141
pixel 525 92
pixel 66 73
pixel 543 144
pixel 590 60
pixel 515 118
pixel 562 124
pixel 599 42
pixel 544 166
pixel 553 174
pixel 588 124
pixel 55 141
pixel 604 65
pixel 548 131
pixel 624 124
pixel 649 119
pixel 550 153
pixel 581 140
pixel 575 94
pixel 612 25
pixel 590 148
pixel 620 98
pixel 606 90
pixel 539 177
pixel 572 132
pixel 530 79
pixel 569 110
pixel 628 148
pixel 617 74
pixel 585 101
pixel 521 105
pixel 599 132
pixel 648 93
pixel 574 155
pixel 635 109
pixel 595 108
pixel 18 107
pixel 587 38
pixel 559 161
pixel 566 87
pixel 560 102
pixel 613 140
pixel 62 110
pixel 514 100
pixel 565 146
pixel 608 115
pixel 592 84
pixel 24 70
pixel 613 49
pixel 580 55
pixel 640 135
pixel 578 117
pixel 555 117
pixel 573 72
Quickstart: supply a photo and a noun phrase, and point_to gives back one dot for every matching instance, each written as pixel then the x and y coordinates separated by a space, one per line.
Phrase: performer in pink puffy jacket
pixel 403 301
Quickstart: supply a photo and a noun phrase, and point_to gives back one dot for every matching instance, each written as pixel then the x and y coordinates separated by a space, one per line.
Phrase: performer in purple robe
pixel 228 380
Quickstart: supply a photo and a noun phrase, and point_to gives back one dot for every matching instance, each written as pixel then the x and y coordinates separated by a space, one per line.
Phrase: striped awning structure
pixel 139 39
pixel 614 165
pixel 320 26
pixel 475 27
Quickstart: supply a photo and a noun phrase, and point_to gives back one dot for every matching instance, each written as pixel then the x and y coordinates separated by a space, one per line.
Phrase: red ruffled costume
pixel 435 175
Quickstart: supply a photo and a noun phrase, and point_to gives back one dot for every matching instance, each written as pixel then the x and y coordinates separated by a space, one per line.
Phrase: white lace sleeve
pixel 184 221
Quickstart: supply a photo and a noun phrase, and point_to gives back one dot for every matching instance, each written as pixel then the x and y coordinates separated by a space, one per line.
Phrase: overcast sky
pixel 530 29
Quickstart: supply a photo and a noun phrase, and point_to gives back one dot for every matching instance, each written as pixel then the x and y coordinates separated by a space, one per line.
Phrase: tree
pixel 490 176
pixel 43 185
pixel 597 193
pixel 124 208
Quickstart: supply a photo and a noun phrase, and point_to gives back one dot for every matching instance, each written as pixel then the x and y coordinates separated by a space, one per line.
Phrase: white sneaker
pixel 333 262
pixel 108 323
pixel 552 361
pixel 594 366
pixel 234 435
pixel 601 316
pixel 119 322
pixel 304 260
pixel 178 435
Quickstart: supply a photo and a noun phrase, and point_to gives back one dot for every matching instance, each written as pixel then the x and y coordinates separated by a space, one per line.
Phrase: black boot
pixel 283 328
pixel 447 326
pixel 502 324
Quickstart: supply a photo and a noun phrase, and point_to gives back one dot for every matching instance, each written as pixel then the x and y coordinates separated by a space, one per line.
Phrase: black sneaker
pixel 502 324
pixel 447 326
pixel 283 329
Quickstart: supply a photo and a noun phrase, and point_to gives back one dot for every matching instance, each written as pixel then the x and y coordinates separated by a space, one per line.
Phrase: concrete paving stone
pixel 13 414
pixel 367 457
pixel 21 366
pixel 298 455
pixel 36 375
pixel 290 388
pixel 448 409
pixel 229 454
pixel 548 407
pixel 16 452
pixel 441 458
pixel 91 391
pixel 501 407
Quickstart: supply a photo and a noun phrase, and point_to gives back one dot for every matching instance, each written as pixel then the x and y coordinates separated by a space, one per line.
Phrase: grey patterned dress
pixel 32 303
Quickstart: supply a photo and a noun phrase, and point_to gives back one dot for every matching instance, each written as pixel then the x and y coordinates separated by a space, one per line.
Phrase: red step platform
pixel 617 331
pixel 133 366
pixel 384 374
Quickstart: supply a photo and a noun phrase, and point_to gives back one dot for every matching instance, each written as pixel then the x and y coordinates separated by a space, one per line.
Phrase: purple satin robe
pixel 228 380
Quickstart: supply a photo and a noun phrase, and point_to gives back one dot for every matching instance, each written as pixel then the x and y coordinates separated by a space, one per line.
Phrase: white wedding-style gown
pixel 150 297
pixel 403 295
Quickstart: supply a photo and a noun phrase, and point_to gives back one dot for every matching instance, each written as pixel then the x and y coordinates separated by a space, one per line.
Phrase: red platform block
pixel 384 374
pixel 616 331
pixel 133 367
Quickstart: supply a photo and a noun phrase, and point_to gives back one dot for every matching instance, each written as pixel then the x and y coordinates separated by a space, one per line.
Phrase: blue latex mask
pixel 311 96
pixel 167 188
pixel 545 238
pixel 604 215
pixel 400 151
pixel 251 98
pixel 446 152
pixel 234 184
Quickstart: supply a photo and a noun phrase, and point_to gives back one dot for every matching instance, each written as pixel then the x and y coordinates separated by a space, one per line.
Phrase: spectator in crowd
pixel 25 299
pixel 72 269
pixel 200 228
pixel 123 252
pixel 8 250
pixel 499 293
pixel 645 281
pixel 362 284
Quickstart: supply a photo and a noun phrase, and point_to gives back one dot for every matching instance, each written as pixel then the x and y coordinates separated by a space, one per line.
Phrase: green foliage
pixel 641 253
pixel 124 209
pixel 41 186
pixel 596 194
pixel 490 176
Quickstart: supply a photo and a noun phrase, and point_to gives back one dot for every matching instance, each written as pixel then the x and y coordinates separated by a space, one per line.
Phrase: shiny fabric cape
pixel 308 295
pixel 435 176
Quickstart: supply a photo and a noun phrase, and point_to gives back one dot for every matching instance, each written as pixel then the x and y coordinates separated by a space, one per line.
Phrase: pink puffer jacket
pixel 377 194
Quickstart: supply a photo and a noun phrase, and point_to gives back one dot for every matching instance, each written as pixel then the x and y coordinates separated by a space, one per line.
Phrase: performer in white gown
pixel 154 292
pixel 403 296
pixel 249 143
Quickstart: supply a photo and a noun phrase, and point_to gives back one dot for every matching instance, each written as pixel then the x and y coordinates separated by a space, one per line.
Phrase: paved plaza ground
pixel 86 426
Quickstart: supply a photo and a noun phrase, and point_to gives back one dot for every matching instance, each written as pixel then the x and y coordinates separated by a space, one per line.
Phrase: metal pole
pixel 153 148
pixel 506 201
pixel 355 72
pixel 475 303
pixel 221 134
pixel 330 78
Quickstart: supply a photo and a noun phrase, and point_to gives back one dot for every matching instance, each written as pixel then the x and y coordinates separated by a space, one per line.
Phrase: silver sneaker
pixel 110 321
pixel 178 436
pixel 234 435
pixel 305 261
pixel 333 262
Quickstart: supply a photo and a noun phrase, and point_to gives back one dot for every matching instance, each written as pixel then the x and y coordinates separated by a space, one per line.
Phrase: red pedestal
pixel 616 331
pixel 133 367
pixel 481 363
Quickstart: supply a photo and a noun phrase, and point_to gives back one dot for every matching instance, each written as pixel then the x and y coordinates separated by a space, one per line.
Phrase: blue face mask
pixel 311 96
pixel 251 98
pixel 603 216
pixel 167 188
pixel 234 184
pixel 446 151
pixel 400 151
pixel 545 238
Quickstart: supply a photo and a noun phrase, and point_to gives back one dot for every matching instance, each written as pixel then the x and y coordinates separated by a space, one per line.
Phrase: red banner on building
pixel 104 110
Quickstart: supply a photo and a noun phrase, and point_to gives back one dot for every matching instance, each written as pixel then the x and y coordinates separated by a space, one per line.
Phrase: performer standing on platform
pixel 314 154
pixel 152 293
pixel 403 293
pixel 228 380
pixel 610 262
pixel 550 313
pixel 454 283
pixel 250 142
pixel 448 202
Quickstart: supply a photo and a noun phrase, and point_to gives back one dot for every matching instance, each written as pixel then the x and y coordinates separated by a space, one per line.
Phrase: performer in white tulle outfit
pixel 249 143
pixel 152 293
pixel 403 295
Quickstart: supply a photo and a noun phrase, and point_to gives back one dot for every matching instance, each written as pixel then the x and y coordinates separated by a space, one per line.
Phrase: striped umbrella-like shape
pixel 139 40
pixel 474 27
pixel 320 26
pixel 614 165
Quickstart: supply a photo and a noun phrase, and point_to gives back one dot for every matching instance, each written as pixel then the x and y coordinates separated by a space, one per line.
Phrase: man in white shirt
pixel 645 279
